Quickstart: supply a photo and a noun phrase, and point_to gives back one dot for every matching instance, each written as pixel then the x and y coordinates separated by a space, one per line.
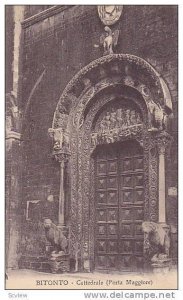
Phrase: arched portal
pixel 118 102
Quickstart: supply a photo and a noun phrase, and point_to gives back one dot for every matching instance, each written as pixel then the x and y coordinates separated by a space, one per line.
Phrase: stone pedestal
pixel 161 264
pixel 59 263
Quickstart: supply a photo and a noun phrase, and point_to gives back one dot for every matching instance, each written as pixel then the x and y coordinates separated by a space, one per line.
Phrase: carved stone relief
pixel 115 125
pixel 118 118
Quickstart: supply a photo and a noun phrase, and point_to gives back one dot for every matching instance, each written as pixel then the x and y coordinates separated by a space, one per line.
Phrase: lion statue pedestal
pixel 160 263
pixel 157 246
pixel 59 258
pixel 59 262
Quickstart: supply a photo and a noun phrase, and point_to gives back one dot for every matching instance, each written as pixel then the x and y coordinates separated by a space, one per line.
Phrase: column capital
pixel 61 146
pixel 163 140
pixel 62 156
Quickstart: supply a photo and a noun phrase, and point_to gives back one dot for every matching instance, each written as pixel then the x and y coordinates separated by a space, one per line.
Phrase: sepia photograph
pixel 91 147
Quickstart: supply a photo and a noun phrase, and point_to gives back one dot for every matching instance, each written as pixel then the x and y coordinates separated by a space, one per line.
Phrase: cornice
pixel 55 9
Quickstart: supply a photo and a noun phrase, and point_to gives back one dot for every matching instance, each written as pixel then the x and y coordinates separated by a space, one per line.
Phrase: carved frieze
pixel 118 118
pixel 115 135
pixel 117 124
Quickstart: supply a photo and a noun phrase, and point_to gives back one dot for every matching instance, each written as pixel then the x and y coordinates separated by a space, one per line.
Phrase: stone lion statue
pixel 55 236
pixel 156 239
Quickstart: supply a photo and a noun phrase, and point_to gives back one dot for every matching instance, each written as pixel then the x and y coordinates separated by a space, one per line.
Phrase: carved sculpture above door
pixel 116 122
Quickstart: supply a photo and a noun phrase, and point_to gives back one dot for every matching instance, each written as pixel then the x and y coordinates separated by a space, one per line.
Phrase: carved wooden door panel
pixel 119 200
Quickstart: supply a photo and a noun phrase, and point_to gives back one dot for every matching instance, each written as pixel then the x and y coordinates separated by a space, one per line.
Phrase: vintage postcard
pixel 91 147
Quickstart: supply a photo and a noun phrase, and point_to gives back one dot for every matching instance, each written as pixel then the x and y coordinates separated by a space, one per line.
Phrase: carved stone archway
pixel 116 78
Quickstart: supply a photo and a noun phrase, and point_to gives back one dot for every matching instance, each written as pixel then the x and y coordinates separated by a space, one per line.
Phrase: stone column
pixel 163 142
pixel 61 153
pixel 15 15
pixel 61 261
pixel 162 204
pixel 62 158
pixel 13 198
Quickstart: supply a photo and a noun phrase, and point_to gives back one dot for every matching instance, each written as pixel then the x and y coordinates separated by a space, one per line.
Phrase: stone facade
pixel 61 70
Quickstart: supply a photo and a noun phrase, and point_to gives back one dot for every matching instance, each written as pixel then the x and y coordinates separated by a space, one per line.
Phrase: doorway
pixel 119 206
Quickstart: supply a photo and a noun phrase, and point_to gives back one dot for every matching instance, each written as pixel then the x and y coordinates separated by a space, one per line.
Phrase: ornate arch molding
pixel 99 83
pixel 128 69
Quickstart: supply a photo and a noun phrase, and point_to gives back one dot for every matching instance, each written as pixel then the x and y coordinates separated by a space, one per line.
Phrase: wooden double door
pixel 119 206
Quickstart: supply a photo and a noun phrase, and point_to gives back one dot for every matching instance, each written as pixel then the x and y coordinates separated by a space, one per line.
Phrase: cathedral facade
pixel 91 137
